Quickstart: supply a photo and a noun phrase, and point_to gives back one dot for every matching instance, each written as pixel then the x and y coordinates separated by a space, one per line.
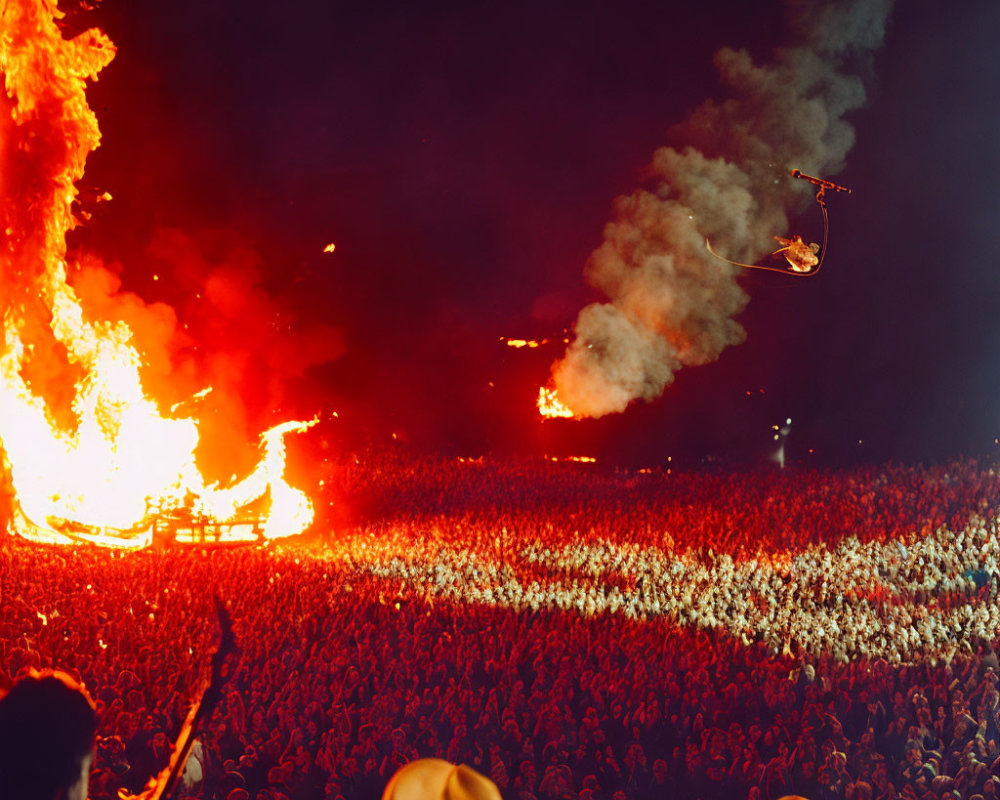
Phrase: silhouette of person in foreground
pixel 47 728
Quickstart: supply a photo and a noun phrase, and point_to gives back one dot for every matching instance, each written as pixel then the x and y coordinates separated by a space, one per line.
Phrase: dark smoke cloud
pixel 670 303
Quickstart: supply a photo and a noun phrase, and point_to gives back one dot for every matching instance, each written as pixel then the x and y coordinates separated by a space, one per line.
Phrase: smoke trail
pixel 671 304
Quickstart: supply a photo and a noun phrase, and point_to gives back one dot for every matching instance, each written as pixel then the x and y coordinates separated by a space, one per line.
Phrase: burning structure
pixel 88 453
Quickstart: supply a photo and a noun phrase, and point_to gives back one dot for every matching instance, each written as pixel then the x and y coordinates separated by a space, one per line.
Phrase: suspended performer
pixel 801 257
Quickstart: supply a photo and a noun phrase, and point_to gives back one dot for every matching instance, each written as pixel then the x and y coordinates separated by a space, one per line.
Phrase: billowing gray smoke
pixel 671 304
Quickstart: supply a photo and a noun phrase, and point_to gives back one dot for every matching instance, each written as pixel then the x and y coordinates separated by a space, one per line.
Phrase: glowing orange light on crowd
pixel 87 449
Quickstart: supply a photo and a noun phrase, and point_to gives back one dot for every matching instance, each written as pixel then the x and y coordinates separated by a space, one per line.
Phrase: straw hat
pixel 436 779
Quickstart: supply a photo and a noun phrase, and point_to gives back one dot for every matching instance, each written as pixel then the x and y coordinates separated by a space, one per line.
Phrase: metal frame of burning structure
pixel 158 528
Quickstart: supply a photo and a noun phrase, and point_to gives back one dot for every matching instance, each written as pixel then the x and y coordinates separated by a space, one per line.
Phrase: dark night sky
pixel 464 158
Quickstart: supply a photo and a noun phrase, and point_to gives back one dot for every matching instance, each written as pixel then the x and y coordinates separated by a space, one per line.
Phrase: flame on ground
pixel 549 405
pixel 530 343
pixel 519 343
pixel 90 455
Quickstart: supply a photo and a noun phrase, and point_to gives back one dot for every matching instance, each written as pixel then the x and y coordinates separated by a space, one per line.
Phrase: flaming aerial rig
pixel 804 260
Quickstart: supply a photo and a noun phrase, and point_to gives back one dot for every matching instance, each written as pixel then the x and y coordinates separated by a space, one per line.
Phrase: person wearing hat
pixel 437 779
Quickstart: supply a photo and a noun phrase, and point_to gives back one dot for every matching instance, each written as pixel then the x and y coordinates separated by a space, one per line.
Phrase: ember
pixel 89 452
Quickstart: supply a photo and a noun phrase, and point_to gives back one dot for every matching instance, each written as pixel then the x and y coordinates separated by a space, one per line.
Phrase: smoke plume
pixel 670 303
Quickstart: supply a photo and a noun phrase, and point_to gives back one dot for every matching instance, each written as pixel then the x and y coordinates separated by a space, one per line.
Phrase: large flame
pixel 88 452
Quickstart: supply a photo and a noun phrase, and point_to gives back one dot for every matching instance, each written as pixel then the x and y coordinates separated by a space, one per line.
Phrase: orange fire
pixel 90 455
pixel 529 343
pixel 549 405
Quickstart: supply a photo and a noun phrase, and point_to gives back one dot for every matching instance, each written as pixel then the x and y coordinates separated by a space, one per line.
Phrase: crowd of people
pixel 569 632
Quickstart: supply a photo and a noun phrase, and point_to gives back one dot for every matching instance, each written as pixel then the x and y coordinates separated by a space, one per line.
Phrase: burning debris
pixel 89 452
pixel 800 256
pixel 671 303
pixel 549 405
